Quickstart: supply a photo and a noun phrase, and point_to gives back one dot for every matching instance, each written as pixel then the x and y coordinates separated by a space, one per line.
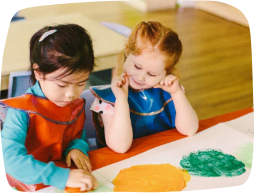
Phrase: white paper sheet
pixel 220 137
pixel 244 124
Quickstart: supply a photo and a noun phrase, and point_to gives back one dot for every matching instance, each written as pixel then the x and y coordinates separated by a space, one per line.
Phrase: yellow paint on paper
pixel 151 178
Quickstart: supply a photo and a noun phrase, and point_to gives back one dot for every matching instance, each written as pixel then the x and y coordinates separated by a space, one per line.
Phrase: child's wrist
pixel 177 92
pixel 122 98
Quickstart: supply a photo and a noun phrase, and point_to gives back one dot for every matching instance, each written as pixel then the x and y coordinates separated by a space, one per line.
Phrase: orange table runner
pixel 105 156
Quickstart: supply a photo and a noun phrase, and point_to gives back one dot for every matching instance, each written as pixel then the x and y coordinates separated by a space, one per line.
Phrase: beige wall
pixel 223 10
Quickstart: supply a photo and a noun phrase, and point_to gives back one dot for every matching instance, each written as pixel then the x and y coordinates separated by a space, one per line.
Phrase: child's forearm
pixel 119 135
pixel 21 165
pixel 28 170
pixel 186 118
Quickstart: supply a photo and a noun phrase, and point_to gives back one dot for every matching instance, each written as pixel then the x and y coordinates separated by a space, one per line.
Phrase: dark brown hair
pixel 153 35
pixel 70 47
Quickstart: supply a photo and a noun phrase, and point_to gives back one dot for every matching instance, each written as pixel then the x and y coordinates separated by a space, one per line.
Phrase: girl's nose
pixel 141 77
pixel 71 94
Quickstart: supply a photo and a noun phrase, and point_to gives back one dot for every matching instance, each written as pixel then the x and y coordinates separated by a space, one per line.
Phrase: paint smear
pixel 245 154
pixel 101 188
pixel 212 163
pixel 151 178
pixel 58 191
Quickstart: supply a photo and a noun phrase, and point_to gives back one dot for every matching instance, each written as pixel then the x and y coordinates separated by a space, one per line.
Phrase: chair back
pixel 89 127
pixel 19 82
pixel 3 112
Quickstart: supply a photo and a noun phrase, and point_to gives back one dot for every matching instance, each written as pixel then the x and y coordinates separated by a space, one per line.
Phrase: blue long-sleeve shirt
pixel 24 167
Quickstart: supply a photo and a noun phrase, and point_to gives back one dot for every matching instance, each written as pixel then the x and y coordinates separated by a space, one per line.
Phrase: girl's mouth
pixel 136 82
pixel 66 102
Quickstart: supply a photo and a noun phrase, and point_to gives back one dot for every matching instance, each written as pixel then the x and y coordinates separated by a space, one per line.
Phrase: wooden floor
pixel 216 66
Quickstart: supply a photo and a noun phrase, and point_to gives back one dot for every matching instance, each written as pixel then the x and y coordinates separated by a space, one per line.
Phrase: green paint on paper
pixel 245 154
pixel 101 189
pixel 212 163
pixel 14 188
pixel 58 191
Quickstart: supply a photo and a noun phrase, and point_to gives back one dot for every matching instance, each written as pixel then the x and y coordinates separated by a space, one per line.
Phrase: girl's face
pixel 145 70
pixel 62 91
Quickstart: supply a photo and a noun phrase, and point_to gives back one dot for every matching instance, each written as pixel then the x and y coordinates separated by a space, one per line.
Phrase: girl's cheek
pixel 126 70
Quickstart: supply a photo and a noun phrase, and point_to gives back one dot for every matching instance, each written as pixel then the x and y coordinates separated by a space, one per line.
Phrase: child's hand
pixel 80 160
pixel 170 84
pixel 82 179
pixel 119 85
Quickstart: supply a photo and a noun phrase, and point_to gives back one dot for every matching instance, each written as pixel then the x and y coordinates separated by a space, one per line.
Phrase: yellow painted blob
pixel 151 178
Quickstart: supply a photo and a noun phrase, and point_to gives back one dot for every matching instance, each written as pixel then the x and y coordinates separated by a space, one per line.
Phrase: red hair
pixel 154 36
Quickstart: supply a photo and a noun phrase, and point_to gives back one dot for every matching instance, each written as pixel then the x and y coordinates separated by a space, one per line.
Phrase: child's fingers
pixel 78 164
pixel 169 80
pixel 123 74
pixel 79 178
pixel 158 86
pixel 119 81
pixel 126 80
pixel 162 82
pixel 88 181
pixel 86 186
pixel 82 163
pixel 86 165
pixel 122 77
pixel 95 185
pixel 68 160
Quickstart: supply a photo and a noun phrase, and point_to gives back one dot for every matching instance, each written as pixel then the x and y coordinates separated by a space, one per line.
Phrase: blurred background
pixel 216 65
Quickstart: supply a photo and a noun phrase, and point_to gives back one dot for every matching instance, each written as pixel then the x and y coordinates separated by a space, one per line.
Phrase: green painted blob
pixel 245 154
pixel 212 163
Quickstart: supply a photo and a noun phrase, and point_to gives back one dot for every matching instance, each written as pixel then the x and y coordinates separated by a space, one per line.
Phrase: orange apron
pixel 50 128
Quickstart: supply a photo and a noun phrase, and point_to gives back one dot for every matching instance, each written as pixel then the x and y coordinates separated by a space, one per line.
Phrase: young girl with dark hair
pixel 147 98
pixel 45 124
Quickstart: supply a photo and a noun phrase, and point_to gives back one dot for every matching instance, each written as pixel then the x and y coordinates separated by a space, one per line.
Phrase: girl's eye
pixel 61 85
pixel 81 84
pixel 151 74
pixel 137 67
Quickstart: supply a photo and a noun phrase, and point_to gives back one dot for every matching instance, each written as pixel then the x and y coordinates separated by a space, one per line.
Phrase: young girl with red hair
pixel 147 97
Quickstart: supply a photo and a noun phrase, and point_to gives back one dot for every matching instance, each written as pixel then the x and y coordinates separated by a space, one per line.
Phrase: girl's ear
pixel 37 73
